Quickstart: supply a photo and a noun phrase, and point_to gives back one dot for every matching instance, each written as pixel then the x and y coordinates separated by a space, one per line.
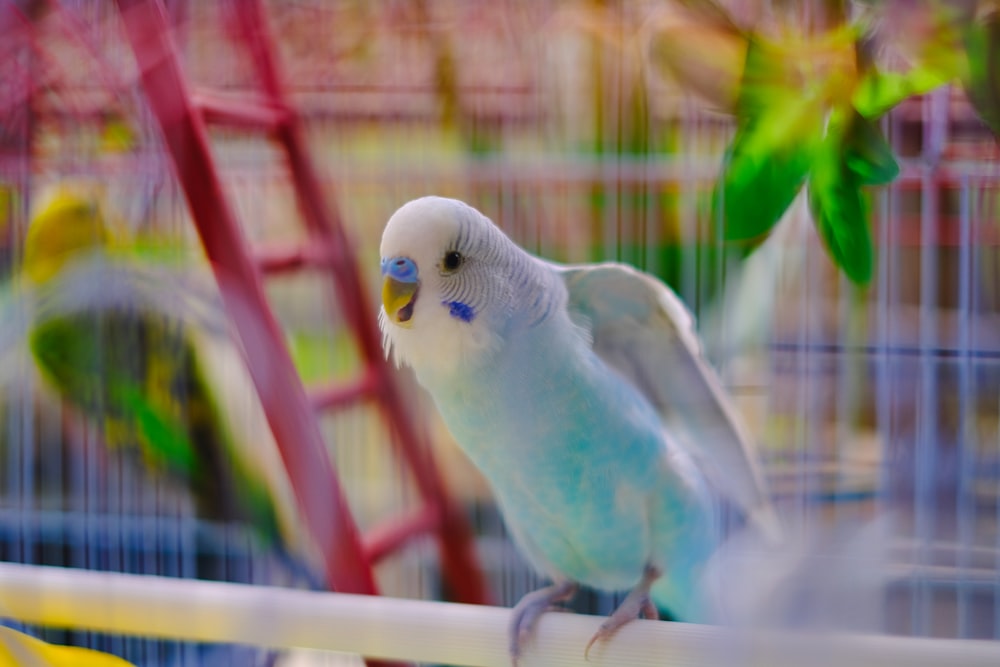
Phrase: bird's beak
pixel 400 285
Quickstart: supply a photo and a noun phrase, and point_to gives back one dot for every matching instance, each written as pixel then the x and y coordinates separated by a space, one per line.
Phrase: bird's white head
pixel 452 284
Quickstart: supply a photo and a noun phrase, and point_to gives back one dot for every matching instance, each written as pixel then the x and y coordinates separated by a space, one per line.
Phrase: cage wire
pixel 545 116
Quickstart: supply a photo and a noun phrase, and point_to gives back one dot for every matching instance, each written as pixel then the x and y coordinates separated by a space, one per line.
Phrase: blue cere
pixel 402 269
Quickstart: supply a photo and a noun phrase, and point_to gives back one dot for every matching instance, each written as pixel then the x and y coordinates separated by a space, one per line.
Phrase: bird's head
pixel 66 224
pixel 451 283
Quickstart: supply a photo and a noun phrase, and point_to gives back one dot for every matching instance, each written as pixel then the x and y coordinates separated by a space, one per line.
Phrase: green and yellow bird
pixel 115 334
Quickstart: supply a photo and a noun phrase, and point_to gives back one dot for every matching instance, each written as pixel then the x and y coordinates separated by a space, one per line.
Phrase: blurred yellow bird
pixel 115 337
pixel 20 650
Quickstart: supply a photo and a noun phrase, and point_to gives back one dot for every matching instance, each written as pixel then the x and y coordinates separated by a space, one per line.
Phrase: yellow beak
pixel 398 298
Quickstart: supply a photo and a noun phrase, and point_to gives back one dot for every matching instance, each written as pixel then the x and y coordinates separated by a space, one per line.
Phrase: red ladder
pixel 292 412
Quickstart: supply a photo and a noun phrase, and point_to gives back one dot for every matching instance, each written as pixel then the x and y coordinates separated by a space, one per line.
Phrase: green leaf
pixel 765 168
pixel 878 92
pixel 838 208
pixel 766 80
pixel 866 152
pixel 767 162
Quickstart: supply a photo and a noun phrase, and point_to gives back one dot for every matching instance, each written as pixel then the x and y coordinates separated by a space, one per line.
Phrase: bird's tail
pixel 817 578
pixel 764 519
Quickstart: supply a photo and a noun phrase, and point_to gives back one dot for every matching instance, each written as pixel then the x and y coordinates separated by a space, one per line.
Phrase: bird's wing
pixel 641 328
pixel 98 281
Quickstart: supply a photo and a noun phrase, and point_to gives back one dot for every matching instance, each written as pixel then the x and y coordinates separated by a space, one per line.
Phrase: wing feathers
pixel 643 331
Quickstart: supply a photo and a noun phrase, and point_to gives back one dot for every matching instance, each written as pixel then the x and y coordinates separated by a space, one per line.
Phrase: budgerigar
pixel 112 336
pixel 581 394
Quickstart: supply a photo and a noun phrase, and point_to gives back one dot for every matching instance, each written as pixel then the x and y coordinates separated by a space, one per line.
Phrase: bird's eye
pixel 452 260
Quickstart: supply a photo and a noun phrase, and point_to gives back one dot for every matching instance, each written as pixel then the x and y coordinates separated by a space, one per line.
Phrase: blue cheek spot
pixel 460 311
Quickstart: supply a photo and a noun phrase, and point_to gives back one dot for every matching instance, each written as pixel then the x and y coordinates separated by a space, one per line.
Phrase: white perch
pixel 423 631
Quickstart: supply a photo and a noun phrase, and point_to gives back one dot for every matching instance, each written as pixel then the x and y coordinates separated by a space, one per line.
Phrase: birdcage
pixel 877 401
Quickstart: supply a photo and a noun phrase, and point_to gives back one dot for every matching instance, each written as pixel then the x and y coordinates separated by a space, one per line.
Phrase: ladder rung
pixel 296 429
pixel 389 536
pixel 281 260
pixel 239 111
pixel 336 395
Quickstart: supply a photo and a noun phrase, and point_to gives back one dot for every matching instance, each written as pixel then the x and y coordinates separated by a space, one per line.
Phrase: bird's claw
pixel 637 604
pixel 527 612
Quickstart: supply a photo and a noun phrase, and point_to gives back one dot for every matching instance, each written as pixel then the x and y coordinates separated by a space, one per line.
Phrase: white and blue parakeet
pixel 581 395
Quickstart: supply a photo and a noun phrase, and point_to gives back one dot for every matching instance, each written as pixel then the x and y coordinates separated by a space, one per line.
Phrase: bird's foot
pixel 637 604
pixel 527 612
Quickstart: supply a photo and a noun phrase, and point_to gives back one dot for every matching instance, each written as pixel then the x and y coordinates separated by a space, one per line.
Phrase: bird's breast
pixel 575 455
pixel 547 409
